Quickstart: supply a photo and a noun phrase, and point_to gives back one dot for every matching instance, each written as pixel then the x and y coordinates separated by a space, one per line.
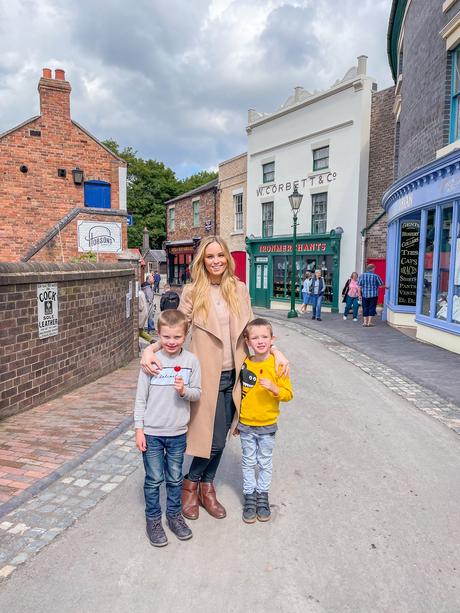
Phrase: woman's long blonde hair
pixel 201 282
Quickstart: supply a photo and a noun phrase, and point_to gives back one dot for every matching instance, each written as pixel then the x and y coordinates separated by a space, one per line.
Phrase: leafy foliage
pixel 150 184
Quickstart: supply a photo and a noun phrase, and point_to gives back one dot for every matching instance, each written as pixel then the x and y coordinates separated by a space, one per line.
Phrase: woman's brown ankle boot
pixel 208 500
pixel 189 499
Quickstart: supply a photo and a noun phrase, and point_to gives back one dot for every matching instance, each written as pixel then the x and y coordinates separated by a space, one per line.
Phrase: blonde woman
pixel 218 308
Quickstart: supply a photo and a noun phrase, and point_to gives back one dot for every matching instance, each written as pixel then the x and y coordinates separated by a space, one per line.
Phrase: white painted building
pixel 318 142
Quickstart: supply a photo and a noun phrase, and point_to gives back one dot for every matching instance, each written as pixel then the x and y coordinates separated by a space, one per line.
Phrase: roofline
pixel 398 9
pixel 99 142
pixel 21 125
pixel 236 157
pixel 198 190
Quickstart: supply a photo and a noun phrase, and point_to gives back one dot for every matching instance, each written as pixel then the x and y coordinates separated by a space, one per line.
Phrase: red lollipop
pixel 177 368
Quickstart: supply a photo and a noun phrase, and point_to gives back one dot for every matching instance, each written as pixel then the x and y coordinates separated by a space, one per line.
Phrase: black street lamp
pixel 294 199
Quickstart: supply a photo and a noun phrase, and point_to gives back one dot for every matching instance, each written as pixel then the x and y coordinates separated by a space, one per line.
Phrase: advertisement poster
pixel 47 308
pixel 99 236
pixel 408 263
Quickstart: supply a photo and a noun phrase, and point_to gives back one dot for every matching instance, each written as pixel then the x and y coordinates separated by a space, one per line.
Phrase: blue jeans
pixel 316 305
pixel 257 450
pixel 163 461
pixel 351 302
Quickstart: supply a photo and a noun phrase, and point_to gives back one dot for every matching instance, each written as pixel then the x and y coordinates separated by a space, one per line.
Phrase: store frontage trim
pixel 423 255
pixel 270 261
pixel 179 256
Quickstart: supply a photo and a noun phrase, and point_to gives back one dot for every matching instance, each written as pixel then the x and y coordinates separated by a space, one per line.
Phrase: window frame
pixel 172 218
pixel 317 166
pixel 266 174
pixel 238 219
pixel 314 213
pixel 267 229
pixel 454 132
pixel 196 213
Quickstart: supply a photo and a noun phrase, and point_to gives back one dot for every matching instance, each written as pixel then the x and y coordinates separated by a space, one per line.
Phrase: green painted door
pixel 261 293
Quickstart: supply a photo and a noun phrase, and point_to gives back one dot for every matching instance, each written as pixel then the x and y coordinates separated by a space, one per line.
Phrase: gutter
pixel 364 236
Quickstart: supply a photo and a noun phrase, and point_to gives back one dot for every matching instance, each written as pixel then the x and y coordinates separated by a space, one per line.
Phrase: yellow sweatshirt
pixel 259 406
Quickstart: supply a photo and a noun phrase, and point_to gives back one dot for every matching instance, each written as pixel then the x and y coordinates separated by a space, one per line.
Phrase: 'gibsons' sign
pixel 100 237
pixel 47 307
pixel 408 263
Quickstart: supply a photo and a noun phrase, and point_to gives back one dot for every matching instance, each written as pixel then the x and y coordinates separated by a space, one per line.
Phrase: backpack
pixel 169 300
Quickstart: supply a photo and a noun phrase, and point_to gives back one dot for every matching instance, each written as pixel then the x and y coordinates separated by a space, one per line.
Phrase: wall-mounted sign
pixel 185 249
pixel 408 263
pixel 287 248
pixel 315 180
pixel 208 225
pixel 47 308
pixel 99 236
pixel 130 219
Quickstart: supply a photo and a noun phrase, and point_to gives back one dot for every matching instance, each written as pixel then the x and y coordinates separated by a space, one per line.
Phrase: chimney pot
pixel 47 73
pixel 59 74
pixel 297 93
pixel 362 64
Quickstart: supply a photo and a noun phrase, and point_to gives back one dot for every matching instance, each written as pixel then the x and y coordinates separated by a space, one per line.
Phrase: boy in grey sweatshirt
pixel 161 416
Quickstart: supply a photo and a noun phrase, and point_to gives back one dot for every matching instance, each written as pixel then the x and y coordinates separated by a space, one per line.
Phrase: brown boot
pixel 208 500
pixel 190 508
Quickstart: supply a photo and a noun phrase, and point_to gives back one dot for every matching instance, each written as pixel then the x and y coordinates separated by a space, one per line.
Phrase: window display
pixel 282 267
pixel 428 262
pixel 444 262
pixel 456 288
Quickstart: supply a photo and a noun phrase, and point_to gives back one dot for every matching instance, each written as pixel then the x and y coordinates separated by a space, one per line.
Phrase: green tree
pixel 196 180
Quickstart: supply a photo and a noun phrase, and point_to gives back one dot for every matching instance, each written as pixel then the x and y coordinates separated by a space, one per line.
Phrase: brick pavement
pixel 38 445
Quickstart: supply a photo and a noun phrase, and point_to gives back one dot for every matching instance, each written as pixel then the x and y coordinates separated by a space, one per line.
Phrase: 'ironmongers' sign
pixel 47 307
pixel 99 236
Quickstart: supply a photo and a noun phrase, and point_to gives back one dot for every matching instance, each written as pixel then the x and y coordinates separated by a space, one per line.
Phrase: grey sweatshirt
pixel 158 408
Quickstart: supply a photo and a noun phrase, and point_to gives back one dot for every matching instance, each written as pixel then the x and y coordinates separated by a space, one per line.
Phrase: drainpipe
pixel 364 237
pixel 215 210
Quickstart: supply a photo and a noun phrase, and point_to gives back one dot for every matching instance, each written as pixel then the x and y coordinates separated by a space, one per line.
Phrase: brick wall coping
pixel 62 223
pixel 17 273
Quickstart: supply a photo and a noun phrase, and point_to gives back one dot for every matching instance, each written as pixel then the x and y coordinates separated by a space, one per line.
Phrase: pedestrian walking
pixel 262 391
pixel 369 284
pixel 317 289
pixel 218 307
pixel 143 316
pixel 156 282
pixel 350 295
pixel 306 300
pixel 147 288
pixel 161 417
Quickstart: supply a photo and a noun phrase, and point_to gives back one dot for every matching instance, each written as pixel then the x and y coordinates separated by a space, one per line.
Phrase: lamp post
pixel 294 199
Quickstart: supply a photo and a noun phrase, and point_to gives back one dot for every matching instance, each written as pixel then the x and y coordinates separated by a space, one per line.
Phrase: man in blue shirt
pixel 369 284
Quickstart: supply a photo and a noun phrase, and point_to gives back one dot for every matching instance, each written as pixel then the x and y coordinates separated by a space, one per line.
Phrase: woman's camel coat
pixel 206 344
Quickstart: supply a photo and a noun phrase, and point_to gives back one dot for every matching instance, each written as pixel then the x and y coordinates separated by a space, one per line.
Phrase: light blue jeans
pixel 257 450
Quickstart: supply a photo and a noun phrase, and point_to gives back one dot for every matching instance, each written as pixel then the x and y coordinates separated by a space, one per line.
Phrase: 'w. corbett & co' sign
pixel 287 248
pixel 312 181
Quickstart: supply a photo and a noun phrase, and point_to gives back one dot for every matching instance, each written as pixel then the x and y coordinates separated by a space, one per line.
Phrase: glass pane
pixel 456 292
pixel 456 84
pixel 279 276
pixel 408 260
pixel 428 263
pixel 444 261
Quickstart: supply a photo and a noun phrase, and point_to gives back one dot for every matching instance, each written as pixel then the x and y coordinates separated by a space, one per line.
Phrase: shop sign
pixel 408 263
pixel 181 249
pixel 315 180
pixel 287 248
pixel 47 308
pixel 99 236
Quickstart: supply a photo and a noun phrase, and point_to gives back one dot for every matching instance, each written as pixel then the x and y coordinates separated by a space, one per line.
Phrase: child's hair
pixel 171 318
pixel 259 321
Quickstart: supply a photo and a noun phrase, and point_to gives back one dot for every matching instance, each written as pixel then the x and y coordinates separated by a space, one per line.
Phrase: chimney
pixel 362 65
pixel 145 241
pixel 297 93
pixel 54 95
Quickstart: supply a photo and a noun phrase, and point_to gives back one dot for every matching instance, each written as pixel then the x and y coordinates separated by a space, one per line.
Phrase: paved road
pixel 365 499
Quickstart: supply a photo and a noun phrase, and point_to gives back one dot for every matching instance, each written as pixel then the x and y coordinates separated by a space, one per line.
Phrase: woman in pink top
pixel 350 295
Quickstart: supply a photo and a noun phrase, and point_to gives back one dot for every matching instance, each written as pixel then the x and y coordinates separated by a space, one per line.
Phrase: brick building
pixel 62 192
pixel 422 205
pixel 232 208
pixel 189 217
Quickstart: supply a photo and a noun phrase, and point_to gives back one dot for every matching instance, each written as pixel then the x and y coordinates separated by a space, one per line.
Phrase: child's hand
pixel 270 386
pixel 236 432
pixel 141 443
pixel 179 386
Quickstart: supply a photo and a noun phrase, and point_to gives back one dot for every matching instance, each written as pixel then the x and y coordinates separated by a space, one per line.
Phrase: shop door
pixel 261 294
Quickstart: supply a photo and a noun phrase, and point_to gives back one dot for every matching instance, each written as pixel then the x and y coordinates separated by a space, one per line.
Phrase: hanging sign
pixel 47 308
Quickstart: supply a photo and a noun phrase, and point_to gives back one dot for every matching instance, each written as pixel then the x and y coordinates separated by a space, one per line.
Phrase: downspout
pixel 364 237
pixel 215 211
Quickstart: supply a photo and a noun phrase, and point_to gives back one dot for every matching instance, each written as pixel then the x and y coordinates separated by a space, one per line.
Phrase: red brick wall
pixel 381 160
pixel 184 229
pixel 32 203
pixel 94 338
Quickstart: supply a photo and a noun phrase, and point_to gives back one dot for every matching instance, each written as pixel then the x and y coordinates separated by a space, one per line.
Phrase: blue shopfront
pixel 423 252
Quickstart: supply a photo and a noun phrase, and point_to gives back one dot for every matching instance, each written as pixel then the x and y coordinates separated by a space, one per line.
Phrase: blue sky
pixel 174 79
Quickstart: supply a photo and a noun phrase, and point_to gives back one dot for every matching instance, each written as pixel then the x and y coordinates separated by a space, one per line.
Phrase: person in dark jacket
pixel 317 288
pixel 169 300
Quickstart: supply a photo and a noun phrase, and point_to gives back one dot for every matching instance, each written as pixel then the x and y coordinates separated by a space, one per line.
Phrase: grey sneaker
pixel 155 532
pixel 176 523
pixel 249 509
pixel 263 506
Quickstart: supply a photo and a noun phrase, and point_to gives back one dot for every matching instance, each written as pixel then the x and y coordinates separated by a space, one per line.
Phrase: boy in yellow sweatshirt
pixel 263 389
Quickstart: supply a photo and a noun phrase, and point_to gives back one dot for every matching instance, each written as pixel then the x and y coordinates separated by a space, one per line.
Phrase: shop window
pixel 238 211
pixel 267 219
pixel 319 213
pixel 282 269
pixel 456 284
pixel 455 104
pixel 428 262
pixel 196 213
pixel 321 158
pixel 172 218
pixel 268 172
pixel 444 262
pixel 409 243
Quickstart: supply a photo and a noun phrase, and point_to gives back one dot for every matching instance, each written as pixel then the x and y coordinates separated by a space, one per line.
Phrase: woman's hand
pixel 282 366
pixel 150 363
